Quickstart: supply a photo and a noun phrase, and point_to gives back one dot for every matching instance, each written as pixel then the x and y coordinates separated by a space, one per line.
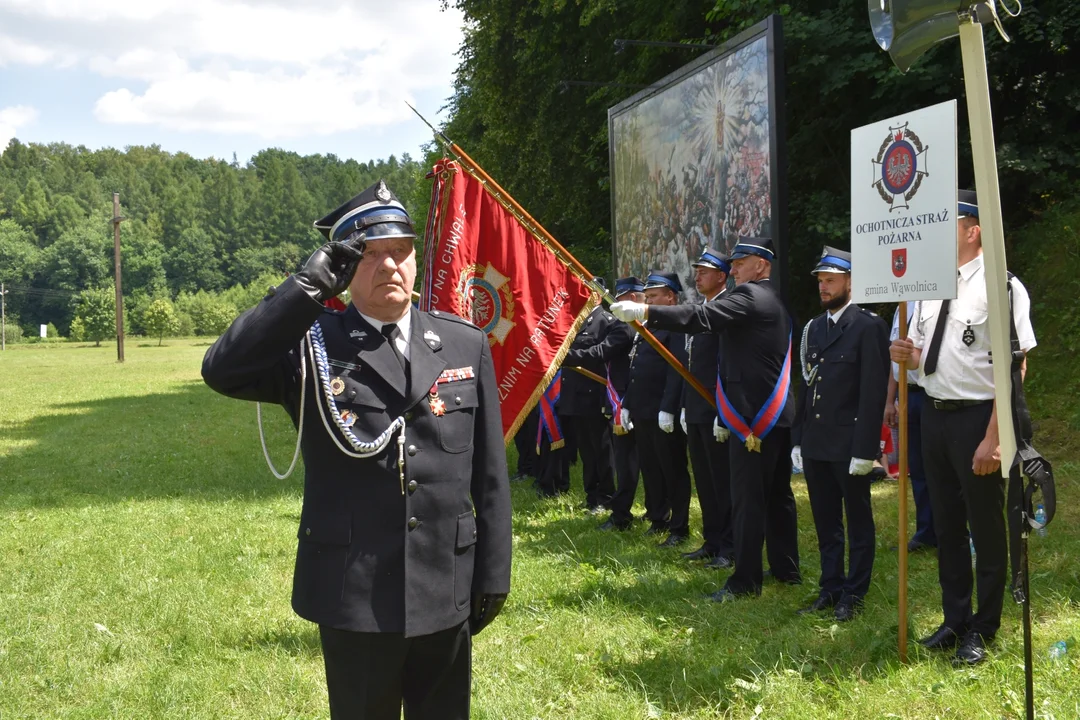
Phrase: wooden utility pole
pixel 119 296
pixel 3 318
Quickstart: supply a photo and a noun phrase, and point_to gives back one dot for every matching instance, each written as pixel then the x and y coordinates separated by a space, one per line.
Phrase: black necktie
pixel 391 331
pixel 935 342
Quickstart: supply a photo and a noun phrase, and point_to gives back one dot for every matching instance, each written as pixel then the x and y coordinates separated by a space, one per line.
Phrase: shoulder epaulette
pixel 451 317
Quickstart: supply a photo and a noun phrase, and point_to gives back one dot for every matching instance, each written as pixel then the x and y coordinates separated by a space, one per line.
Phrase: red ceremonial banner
pixel 483 264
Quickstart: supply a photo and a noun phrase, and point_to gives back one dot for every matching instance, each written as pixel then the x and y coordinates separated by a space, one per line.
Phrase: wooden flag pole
pixel 569 259
pixel 590 374
pixel 902 513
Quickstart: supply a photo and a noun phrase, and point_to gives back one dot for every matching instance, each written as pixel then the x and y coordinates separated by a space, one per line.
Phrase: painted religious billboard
pixel 695 160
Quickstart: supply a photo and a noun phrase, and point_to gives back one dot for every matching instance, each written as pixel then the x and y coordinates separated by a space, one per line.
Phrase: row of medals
pixel 348 417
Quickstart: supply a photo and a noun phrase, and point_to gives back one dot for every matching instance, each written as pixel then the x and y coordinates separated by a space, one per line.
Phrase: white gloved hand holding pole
pixel 682 421
pixel 625 414
pixel 796 457
pixel 629 311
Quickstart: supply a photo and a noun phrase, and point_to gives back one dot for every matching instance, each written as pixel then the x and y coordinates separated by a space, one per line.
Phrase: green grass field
pixel 146 557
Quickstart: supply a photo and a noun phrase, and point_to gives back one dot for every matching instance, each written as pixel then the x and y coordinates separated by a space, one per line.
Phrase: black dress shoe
pixel 702 553
pixel 823 602
pixel 916 546
pixel 847 609
pixel 795 579
pixel 673 540
pixel 971 651
pixel 942 639
pixel 611 524
pixel 724 595
pixel 720 562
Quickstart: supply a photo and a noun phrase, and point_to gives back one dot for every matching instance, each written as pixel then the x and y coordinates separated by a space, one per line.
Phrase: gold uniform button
pixel 457 400
pixel 413 523
pixel 409 415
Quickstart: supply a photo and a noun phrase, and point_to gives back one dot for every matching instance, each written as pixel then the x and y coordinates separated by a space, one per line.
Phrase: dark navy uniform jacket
pixel 581 395
pixel 373 557
pixel 839 413
pixel 703 359
pixel 608 357
pixel 756 329
pixel 655 385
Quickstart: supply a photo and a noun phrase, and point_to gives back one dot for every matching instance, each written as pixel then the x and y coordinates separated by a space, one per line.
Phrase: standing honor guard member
pixel 652 400
pixel 582 405
pixel 404 537
pixel 924 536
pixel 709 458
pixel 950 343
pixel 753 393
pixel 613 352
pixel 844 356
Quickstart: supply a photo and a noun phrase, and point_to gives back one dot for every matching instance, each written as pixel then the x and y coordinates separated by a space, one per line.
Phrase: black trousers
pixel 525 442
pixel 834 492
pixel 626 469
pixel 712 475
pixel 763 512
pixel 962 499
pixel 593 433
pixel 663 467
pixel 924 514
pixel 552 469
pixel 370 675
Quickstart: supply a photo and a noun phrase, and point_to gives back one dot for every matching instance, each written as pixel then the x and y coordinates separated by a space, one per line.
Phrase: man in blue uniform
pixel 755 389
pixel 709 458
pixel 844 357
pixel 404 536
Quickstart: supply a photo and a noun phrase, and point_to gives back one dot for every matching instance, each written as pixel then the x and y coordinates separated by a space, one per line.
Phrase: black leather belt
pixel 949 405
pixel 914 387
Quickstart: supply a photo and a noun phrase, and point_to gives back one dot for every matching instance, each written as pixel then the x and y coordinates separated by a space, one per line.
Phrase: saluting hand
pixel 329 270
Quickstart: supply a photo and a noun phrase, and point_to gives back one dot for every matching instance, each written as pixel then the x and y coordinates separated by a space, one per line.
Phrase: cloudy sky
pixel 214 77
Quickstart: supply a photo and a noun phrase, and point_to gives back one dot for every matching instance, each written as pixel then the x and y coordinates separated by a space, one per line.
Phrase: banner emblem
pixel 899 167
pixel 899 262
pixel 484 296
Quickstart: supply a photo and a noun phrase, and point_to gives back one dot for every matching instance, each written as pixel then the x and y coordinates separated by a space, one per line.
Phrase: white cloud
pixel 264 67
pixel 11 119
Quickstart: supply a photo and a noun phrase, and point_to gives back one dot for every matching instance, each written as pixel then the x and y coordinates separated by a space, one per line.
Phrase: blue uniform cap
pixel 969 203
pixel 833 261
pixel 762 247
pixel 627 285
pixel 376 212
pixel 667 280
pixel 712 258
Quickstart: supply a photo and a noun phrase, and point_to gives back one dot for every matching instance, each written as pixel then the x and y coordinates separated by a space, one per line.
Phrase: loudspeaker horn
pixel 908 28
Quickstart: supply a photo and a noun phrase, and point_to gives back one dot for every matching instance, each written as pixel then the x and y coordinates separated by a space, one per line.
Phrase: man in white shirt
pixel 950 344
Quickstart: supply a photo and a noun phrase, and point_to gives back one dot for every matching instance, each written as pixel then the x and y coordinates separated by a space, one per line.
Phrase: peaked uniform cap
pixel 376 212
pixel 715 259
pixel 747 246
pixel 833 261
pixel 627 285
pixel 658 279
pixel 968 203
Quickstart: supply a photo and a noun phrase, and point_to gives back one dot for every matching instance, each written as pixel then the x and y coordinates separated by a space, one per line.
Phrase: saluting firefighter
pixel 708 458
pixel 844 356
pixel 753 392
pixel 613 354
pixel 582 404
pixel 950 344
pixel 404 537
pixel 652 404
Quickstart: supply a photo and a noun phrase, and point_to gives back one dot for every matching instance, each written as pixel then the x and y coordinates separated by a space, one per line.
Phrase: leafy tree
pixel 210 314
pixel 67 213
pixel 192 263
pixel 19 255
pixel 96 314
pixel 32 207
pixel 159 319
pixel 78 330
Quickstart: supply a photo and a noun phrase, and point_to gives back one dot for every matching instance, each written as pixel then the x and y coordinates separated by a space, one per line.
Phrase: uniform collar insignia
pixel 357 334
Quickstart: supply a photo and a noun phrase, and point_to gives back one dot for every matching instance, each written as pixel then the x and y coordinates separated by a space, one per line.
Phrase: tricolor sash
pixel 616 406
pixel 766 418
pixel 549 420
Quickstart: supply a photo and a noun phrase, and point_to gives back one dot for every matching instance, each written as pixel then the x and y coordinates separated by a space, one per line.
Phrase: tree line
pixel 207 229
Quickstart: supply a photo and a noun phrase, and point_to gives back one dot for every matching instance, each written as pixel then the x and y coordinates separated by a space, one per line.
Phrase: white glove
pixel 682 421
pixel 860 467
pixel 796 456
pixel 629 311
pixel 626 420
pixel 667 421
pixel 720 432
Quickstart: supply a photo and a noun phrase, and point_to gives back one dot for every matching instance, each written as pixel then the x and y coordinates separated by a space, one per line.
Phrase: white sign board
pixel 903 207
pixel 44 330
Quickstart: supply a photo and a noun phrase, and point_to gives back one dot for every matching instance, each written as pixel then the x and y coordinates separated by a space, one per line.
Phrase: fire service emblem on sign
pixel 899 262
pixel 900 167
